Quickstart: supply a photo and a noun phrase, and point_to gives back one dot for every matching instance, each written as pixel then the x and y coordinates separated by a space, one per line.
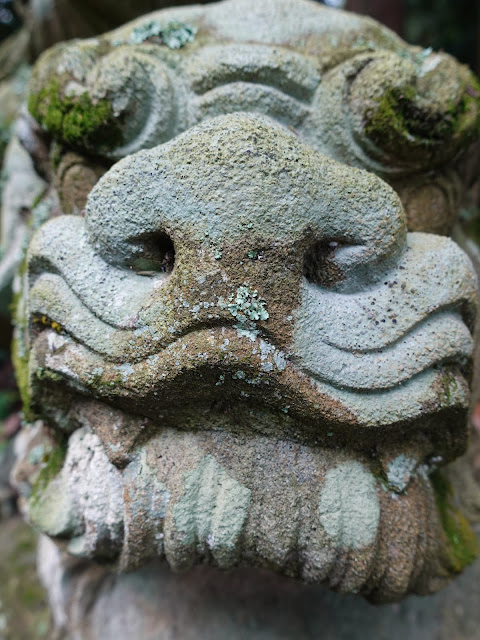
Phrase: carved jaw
pixel 299 327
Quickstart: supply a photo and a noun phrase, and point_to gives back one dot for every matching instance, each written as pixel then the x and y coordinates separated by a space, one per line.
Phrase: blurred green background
pixel 453 26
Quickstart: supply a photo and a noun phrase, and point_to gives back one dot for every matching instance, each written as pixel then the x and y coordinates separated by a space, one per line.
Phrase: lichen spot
pixel 246 305
pixel 212 510
pixel 399 472
pixel 349 508
pixel 174 35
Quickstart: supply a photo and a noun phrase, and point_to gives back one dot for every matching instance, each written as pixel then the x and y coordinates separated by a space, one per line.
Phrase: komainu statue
pixel 240 340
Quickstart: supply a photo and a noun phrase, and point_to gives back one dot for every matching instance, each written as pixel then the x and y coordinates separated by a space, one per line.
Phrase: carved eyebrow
pixel 275 66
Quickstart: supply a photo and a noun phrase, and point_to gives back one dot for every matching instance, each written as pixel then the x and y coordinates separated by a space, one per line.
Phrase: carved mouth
pixel 367 378
pixel 317 514
pixel 243 386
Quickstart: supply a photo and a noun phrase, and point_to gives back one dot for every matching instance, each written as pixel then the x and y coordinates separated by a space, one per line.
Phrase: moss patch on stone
pixel 398 119
pixel 462 547
pixel 24 611
pixel 20 366
pixel 51 466
pixel 77 121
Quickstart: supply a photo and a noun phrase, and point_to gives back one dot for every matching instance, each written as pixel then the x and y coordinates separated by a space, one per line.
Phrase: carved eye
pixel 154 253
pixel 139 89
pixel 414 111
pixel 123 101
pixel 319 265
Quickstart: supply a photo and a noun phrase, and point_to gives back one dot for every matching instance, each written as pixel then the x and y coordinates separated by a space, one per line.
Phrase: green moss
pixel 76 120
pixel 46 374
pixel 20 366
pixel 462 547
pixel 101 385
pixel 52 464
pixel 386 123
pixel 398 119
pixel 449 385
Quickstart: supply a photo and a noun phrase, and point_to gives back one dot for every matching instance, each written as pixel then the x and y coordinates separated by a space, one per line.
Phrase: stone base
pixel 89 603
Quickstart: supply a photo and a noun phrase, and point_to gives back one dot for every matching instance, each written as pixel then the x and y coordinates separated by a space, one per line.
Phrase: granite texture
pixel 240 340
pixel 286 326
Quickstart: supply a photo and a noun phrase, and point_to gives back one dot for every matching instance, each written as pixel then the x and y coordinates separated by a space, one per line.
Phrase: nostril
pixel 319 265
pixel 154 253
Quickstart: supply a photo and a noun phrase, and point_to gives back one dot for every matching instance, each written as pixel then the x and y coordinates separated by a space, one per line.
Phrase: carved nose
pixel 231 215
pixel 242 185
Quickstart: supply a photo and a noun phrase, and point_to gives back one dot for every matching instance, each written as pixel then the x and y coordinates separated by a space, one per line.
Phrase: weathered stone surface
pixel 351 88
pixel 22 186
pixel 231 352
pixel 206 604
pixel 289 362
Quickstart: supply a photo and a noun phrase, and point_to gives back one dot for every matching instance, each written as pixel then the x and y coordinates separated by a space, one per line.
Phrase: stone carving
pixel 44 23
pixel 349 87
pixel 240 357
pixel 230 350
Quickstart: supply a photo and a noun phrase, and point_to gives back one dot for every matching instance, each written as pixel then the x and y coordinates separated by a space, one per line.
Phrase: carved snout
pixel 305 258
pixel 244 179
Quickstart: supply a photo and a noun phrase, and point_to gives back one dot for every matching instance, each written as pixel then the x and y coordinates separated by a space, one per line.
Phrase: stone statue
pixel 230 350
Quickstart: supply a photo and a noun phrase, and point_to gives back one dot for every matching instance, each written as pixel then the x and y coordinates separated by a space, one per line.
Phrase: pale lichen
pixel 247 303
pixel 174 34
